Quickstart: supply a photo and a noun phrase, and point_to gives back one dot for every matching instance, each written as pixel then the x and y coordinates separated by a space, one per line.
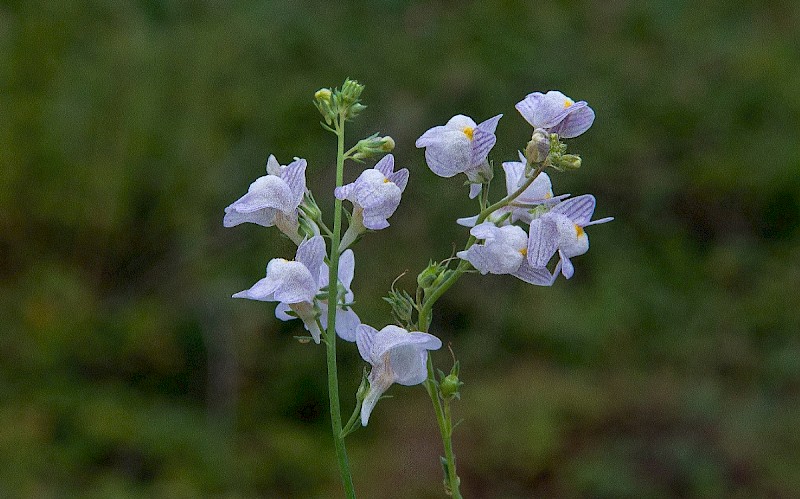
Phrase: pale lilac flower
pixel 272 199
pixel 539 192
pixel 376 193
pixel 561 229
pixel 294 283
pixel 396 356
pixel 503 252
pixel 556 113
pixel 460 146
pixel 346 319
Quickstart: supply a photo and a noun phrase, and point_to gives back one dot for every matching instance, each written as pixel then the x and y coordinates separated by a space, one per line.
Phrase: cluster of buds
pixel 343 102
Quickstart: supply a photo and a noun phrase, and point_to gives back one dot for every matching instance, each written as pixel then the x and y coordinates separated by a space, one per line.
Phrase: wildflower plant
pixel 520 234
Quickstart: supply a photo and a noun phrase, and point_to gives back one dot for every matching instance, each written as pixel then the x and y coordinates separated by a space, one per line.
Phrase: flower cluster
pixel 519 235
pixel 301 287
pixel 555 224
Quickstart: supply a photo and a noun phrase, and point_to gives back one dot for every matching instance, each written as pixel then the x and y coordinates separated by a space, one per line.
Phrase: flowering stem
pixel 330 334
pixel 443 416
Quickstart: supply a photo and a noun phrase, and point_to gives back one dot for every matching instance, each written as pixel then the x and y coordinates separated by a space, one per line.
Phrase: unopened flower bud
pixel 450 386
pixel 351 91
pixel 387 144
pixel 539 147
pixel 570 162
pixel 323 95
pixel 372 146
pixel 427 277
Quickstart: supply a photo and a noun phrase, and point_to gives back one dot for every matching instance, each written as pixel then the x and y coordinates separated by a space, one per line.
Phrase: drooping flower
pixel 294 283
pixel 556 113
pixel 503 252
pixel 562 229
pixel 539 192
pixel 376 193
pixel 272 199
pixel 460 146
pixel 396 356
pixel 346 319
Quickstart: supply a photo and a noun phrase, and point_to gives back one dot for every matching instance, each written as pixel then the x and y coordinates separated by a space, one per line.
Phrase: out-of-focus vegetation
pixel 669 366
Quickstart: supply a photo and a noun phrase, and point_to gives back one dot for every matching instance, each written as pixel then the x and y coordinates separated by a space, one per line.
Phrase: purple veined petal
pixel 379 382
pixel 490 125
pixel 542 241
pixel 479 256
pixel 485 230
pixel 295 177
pixel 365 336
pixel 347 265
pixel 311 253
pixel 450 154
pixel 385 165
pixel 264 217
pixel 425 341
pixel 533 108
pixel 345 191
pixel 459 122
pixel 347 322
pixel 578 119
pixel 273 167
pixel 408 365
pixel 475 190
pixel 399 178
pixel 268 191
pixel 262 290
pixel 578 209
pixel 544 110
pixel 527 107
pixel 566 265
pixel 387 338
pixel 556 272
pixel 282 312
pixel 482 143
pixel 539 276
pixel 514 172
pixel 375 221
pixel 430 136
pixel 467 221
pixel 601 221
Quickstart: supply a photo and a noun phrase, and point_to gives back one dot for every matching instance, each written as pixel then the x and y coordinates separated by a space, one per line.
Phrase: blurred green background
pixel 668 366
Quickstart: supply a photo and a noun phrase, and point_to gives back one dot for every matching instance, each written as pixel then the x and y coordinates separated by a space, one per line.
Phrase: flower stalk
pixel 330 333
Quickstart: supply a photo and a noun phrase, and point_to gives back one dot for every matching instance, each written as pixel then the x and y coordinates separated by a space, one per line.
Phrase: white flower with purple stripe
pixel 294 283
pixel 562 230
pixel 346 319
pixel 503 252
pixel 539 192
pixel 556 113
pixel 396 356
pixel 376 193
pixel 460 146
pixel 272 199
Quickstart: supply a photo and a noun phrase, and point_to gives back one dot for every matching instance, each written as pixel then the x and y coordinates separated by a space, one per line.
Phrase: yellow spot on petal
pixel 386 180
pixel 568 102
pixel 469 132
pixel 524 251
pixel 548 195
pixel 579 231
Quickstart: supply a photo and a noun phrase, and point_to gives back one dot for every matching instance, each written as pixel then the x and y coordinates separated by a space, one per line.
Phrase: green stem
pixel 350 427
pixel 443 415
pixel 330 334
pixel 445 429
